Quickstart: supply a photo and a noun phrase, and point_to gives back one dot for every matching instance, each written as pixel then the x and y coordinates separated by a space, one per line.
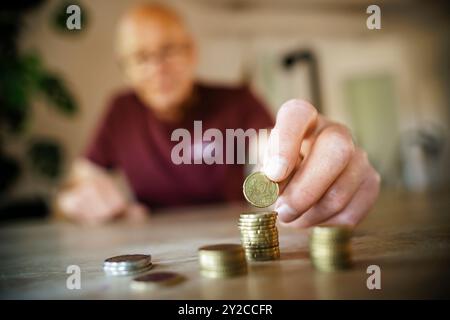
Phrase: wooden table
pixel 407 236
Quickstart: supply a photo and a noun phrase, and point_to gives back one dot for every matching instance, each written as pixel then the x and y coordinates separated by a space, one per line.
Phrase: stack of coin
pixel 127 264
pixel 330 248
pixel 222 260
pixel 259 235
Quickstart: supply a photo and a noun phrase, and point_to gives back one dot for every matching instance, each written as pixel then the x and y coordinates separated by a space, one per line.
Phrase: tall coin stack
pixel 259 235
pixel 127 264
pixel 222 260
pixel 330 248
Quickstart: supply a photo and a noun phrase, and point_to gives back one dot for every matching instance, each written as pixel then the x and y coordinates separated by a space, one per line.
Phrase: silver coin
pixel 126 272
pixel 126 262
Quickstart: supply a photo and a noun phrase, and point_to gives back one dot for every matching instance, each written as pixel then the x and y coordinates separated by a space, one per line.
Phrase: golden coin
pixel 263 256
pixel 222 260
pixel 330 255
pixel 221 249
pixel 257 223
pixel 261 252
pixel 259 215
pixel 258 247
pixel 331 233
pixel 259 190
pixel 248 229
pixel 226 268
pixel 259 235
pixel 211 261
pixel 330 266
pixel 334 246
pixel 245 227
pixel 258 218
pixel 222 274
pixel 264 250
pixel 259 240
pixel 330 247
pixel 262 238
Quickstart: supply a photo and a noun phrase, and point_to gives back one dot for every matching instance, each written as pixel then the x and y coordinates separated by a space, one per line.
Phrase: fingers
pixel 361 204
pixel 92 202
pixel 330 155
pixel 110 195
pixel 90 209
pixel 136 213
pixel 294 119
pixel 69 203
pixel 339 195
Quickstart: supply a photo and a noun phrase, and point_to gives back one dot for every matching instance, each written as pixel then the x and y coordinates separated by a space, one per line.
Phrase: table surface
pixel 406 235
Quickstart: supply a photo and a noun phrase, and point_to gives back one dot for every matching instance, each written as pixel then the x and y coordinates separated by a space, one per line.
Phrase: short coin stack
pixel 127 264
pixel 259 235
pixel 222 260
pixel 330 248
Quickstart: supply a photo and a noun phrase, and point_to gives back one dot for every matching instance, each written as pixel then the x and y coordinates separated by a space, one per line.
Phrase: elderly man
pixel 322 175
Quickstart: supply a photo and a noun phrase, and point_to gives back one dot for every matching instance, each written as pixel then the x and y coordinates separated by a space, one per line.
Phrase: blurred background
pixel 390 86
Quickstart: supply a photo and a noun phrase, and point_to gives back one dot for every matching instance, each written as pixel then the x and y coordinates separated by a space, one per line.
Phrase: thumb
pixel 294 119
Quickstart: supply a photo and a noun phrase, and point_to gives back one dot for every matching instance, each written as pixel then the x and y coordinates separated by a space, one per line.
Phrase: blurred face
pixel 158 57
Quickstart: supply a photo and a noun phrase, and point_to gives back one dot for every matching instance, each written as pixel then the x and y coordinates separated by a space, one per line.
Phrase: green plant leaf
pixel 46 157
pixel 9 172
pixel 58 95
pixel 19 79
pixel 14 94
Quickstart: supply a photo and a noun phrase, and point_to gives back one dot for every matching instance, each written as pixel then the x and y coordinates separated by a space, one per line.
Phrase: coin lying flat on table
pixel 127 264
pixel 156 280
pixel 259 190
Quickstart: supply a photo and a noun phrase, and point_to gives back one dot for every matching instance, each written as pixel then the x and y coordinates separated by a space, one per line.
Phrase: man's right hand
pixel 92 197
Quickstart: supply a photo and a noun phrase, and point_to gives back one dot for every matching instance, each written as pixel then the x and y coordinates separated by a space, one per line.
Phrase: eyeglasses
pixel 145 59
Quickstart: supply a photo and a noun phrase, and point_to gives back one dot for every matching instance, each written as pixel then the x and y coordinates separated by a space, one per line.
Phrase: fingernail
pixel 285 213
pixel 275 168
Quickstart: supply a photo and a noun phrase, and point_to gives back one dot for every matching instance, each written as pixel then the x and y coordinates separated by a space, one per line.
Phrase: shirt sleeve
pixel 100 149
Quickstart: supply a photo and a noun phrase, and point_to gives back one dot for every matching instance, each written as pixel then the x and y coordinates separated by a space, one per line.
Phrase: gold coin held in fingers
pixel 259 190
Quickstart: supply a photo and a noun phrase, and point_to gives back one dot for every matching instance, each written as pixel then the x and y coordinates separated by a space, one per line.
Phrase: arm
pixel 90 195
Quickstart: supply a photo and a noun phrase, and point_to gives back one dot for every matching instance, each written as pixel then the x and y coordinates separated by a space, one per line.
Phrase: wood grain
pixel 407 235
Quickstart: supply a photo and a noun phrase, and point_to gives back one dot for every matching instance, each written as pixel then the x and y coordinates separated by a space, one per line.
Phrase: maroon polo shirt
pixel 132 139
